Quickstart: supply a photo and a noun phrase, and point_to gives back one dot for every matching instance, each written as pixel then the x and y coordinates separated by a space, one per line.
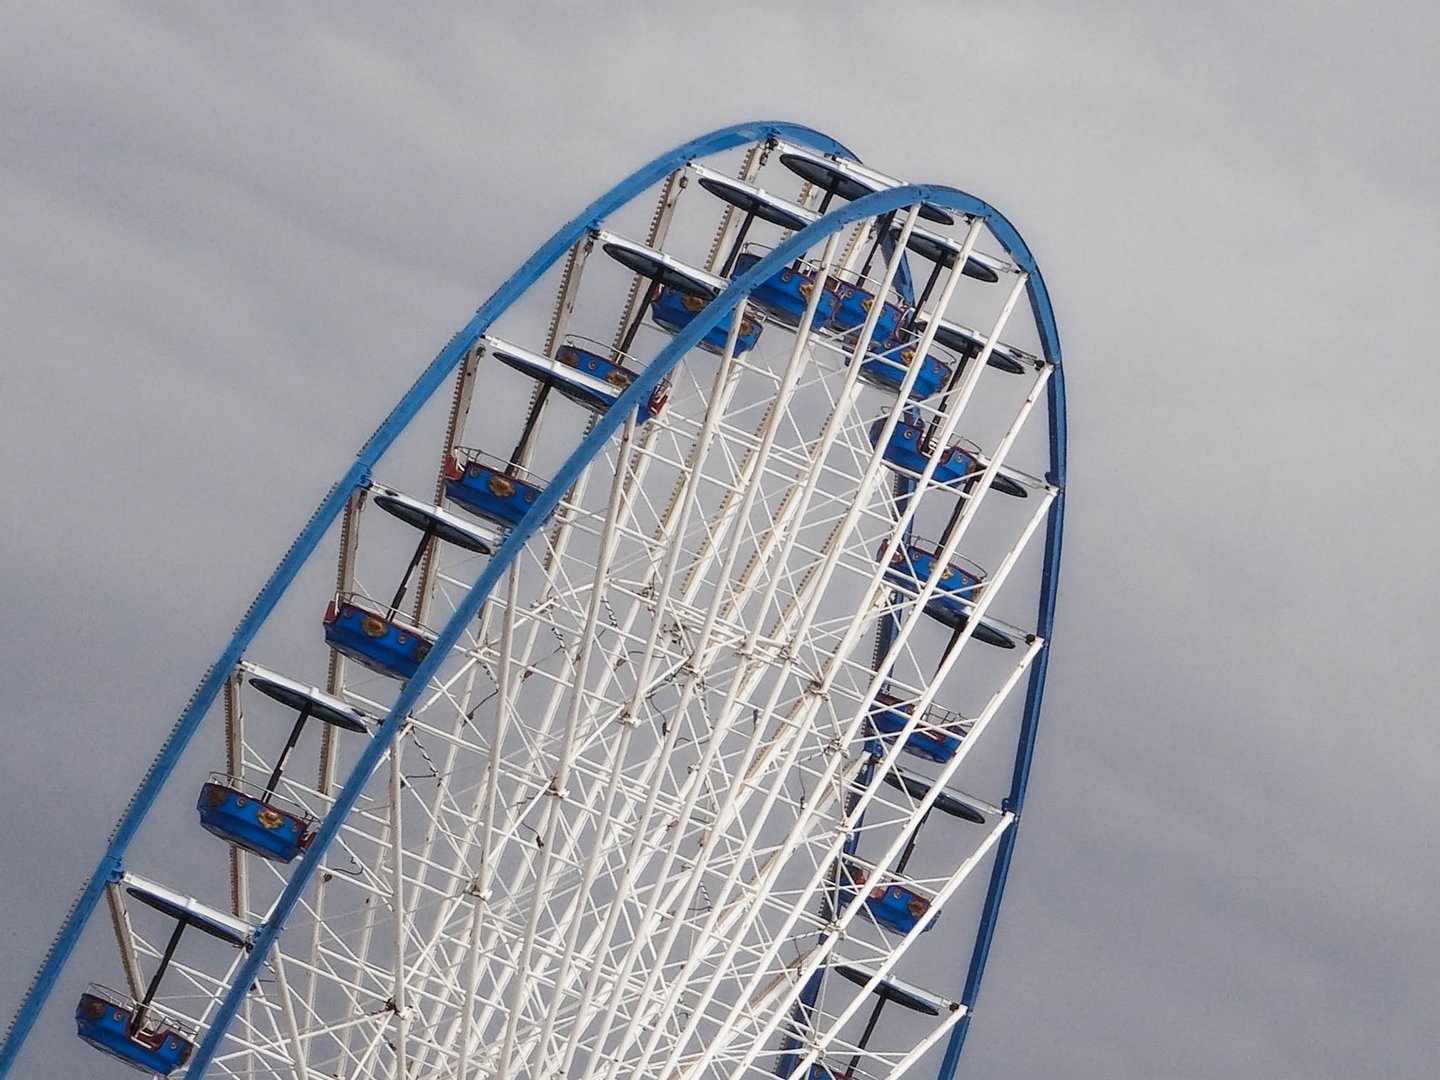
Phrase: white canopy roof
pixel 188 910
pixel 438 522
pixel 657 265
pixel 324 707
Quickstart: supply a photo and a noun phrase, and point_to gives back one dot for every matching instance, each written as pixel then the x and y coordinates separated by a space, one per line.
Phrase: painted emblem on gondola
pixel 616 377
pixel 693 303
pixel 215 796
pixel 371 626
pixel 502 487
pixel 270 819
pixel 422 650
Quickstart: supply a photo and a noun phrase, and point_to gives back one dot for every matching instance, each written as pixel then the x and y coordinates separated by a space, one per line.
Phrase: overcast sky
pixel 232 235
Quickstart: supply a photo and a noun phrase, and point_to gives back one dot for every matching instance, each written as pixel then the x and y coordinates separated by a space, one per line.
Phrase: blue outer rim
pixel 606 426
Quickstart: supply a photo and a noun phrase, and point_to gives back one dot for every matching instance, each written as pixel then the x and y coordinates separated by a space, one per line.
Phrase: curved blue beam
pixel 325 514
pixel 1035 690
pixel 606 426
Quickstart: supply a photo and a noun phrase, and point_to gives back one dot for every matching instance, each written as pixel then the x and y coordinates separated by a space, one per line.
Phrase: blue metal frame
pixel 605 428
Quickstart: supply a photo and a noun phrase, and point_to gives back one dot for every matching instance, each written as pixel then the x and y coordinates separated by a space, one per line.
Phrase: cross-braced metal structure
pixel 713 765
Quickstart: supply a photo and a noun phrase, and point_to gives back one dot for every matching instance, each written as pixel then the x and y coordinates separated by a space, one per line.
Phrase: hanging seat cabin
pixel 250 817
pixel 136 1031
pixel 853 302
pixel 936 737
pixel 361 629
pixel 673 310
pixel 970 342
pixel 843 306
pixel 785 295
pixel 241 814
pixel 956 463
pixel 886 369
pixel 893 905
pixel 587 378
pixel 160 1044
pixel 956 591
pixel 489 488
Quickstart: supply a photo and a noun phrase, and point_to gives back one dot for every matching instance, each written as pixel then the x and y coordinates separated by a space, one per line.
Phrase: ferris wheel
pixel 663 707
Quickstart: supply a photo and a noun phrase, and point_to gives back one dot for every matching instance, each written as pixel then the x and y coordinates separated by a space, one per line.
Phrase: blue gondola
pixel 894 906
pixel 135 1031
pixel 936 738
pixel 843 306
pixel 785 295
pixel 488 489
pixel 899 908
pixel 955 593
pixel 673 310
pixel 852 308
pixel 240 814
pixel 903 451
pixel 105 1020
pixel 956 463
pixel 886 369
pixel 250 817
pixel 360 629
